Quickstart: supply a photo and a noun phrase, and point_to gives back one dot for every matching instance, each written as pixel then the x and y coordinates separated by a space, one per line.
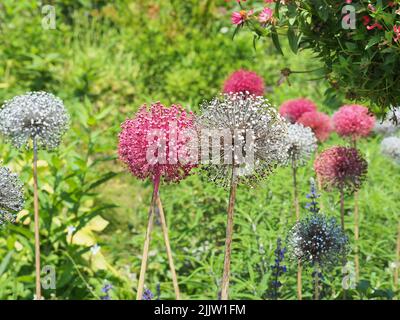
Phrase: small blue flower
pixel 147 295
pixel 106 290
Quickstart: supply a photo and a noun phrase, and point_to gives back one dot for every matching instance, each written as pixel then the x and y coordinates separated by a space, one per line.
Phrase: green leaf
pixel 5 261
pixel 275 40
pixel 293 40
pixel 373 41
pixel 103 179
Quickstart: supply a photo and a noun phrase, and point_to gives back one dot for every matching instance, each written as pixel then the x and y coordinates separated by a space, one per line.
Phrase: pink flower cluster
pixel 319 122
pixel 293 109
pixel 353 121
pixel 342 168
pixel 266 15
pixel 154 143
pixel 244 81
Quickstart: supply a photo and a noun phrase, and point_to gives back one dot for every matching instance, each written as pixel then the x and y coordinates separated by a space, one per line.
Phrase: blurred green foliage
pixel 105 60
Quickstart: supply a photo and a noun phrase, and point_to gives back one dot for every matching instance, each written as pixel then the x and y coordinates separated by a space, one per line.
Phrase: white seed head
pixel 11 195
pixel 302 143
pixel 257 133
pixel 390 147
pixel 34 115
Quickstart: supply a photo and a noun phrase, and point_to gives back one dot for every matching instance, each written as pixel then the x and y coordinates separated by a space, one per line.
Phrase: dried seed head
pixel 11 195
pixel 250 136
pixel 302 144
pixel 34 115
pixel 390 147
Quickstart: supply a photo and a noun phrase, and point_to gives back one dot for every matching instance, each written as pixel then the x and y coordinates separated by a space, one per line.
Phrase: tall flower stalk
pixel 353 122
pixel 250 144
pixel 155 145
pixel 36 120
pixel 301 145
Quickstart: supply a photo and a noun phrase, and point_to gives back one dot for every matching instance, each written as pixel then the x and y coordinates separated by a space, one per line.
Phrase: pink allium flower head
pixel 353 121
pixel 154 144
pixel 319 122
pixel 294 108
pixel 343 168
pixel 244 81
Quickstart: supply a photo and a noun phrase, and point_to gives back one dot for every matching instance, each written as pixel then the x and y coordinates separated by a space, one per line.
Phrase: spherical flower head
pixel 11 195
pixel 293 109
pixel 390 147
pixel 244 81
pixel 319 122
pixel 154 143
pixel 342 168
pixel 302 144
pixel 390 125
pixel 241 133
pixel 353 121
pixel 38 116
pixel 317 241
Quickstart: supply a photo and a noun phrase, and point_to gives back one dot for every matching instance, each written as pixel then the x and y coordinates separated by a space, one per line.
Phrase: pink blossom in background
pixel 293 109
pixel 343 168
pixel 266 15
pixel 244 81
pixel 396 36
pixel 366 20
pixel 353 121
pixel 375 25
pixel 319 122
pixel 150 128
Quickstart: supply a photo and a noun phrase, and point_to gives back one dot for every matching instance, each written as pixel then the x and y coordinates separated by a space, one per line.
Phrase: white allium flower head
pixel 253 132
pixel 34 115
pixel 390 147
pixel 11 195
pixel 390 125
pixel 302 144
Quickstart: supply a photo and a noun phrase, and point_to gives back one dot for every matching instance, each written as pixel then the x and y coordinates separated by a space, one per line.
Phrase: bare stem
pixel 146 245
pixel 168 247
pixel 36 218
pixel 342 223
pixel 396 270
pixel 295 194
pixel 299 282
pixel 356 225
pixel 356 235
pixel 297 210
pixel 316 284
pixel 342 208
pixel 228 240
